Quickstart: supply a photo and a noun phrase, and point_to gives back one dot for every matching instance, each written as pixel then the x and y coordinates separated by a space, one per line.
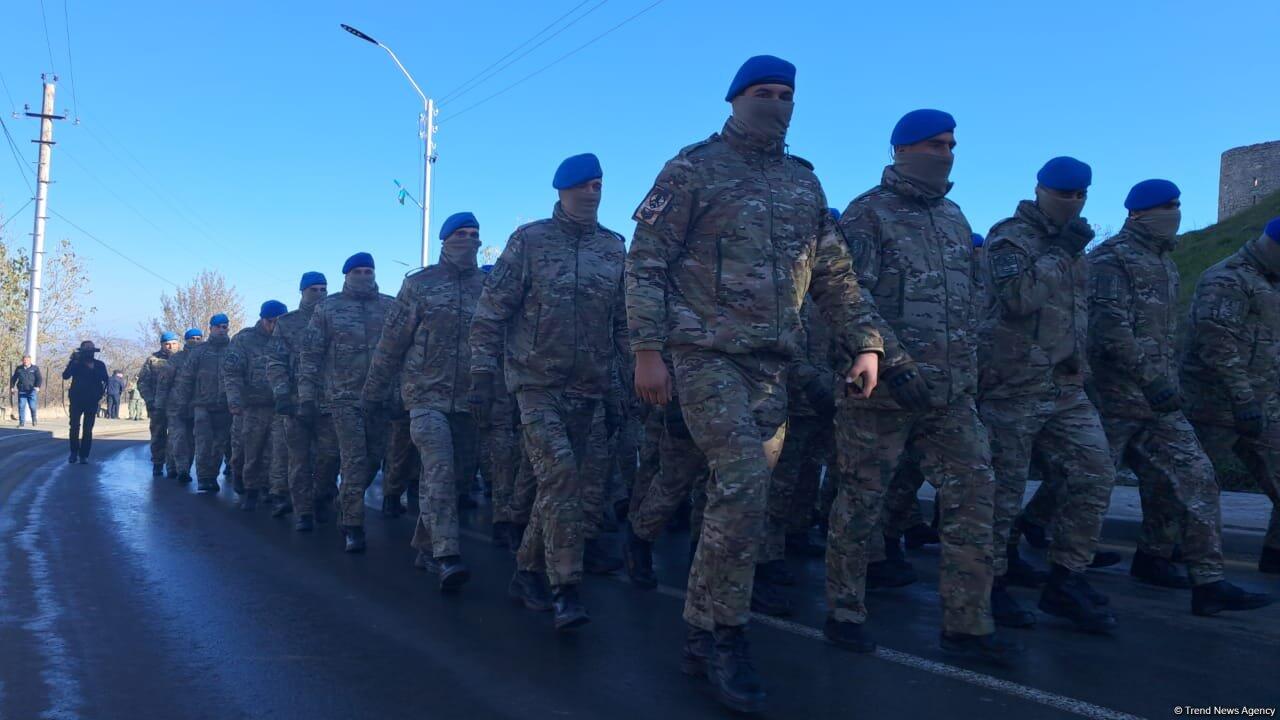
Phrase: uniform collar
pixel 1030 213
pixel 571 226
pixel 751 146
pixel 894 181
pixel 1145 239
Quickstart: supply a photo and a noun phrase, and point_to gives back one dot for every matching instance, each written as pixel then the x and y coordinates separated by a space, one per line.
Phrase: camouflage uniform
pixel 556 292
pixel 913 253
pixel 198 387
pixel 244 379
pixel 312 447
pixel 500 456
pixel 180 446
pixel 728 241
pixel 1232 360
pixel 336 350
pixel 424 344
pixel 279 457
pixel 158 421
pixel 1033 358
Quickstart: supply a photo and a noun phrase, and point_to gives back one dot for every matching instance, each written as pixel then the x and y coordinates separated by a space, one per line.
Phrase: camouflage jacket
pixel 557 292
pixel 732 236
pixel 425 340
pixel 244 368
pixel 284 352
pixel 166 398
pixel 148 382
pixel 813 361
pixel 199 379
pixel 339 342
pixel 1233 347
pixel 1133 320
pixel 913 253
pixel 1035 319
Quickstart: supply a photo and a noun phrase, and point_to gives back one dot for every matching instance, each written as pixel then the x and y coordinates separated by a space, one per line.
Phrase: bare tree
pixel 191 306
pixel 65 309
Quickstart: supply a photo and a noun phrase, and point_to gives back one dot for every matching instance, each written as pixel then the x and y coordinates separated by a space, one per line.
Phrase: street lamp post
pixel 426 131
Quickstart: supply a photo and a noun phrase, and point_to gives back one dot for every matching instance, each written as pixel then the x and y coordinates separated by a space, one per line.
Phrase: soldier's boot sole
pixel 454 577
pixel 575 618
pixel 1221 596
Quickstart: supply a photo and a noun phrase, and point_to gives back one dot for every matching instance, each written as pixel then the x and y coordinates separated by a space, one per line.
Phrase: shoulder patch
pixel 655 205
pixel 1005 265
pixel 501 269
pixel 1107 286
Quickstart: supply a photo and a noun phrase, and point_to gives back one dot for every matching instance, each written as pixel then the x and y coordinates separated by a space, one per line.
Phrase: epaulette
pixel 802 161
pixel 868 193
pixel 414 271
pixel 690 149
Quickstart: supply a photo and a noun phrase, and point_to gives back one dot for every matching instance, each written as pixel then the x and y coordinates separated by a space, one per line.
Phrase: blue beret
pixel 1273 229
pixel 920 125
pixel 272 309
pixel 458 220
pixel 167 336
pixel 1065 173
pixel 759 70
pixel 359 260
pixel 219 319
pixel 835 214
pixel 978 240
pixel 486 269
pixel 310 278
pixel 192 333
pixel 1150 193
pixel 577 170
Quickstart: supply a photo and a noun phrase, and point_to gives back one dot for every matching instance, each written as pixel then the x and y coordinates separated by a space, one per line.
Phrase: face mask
pixel 1058 209
pixel 311 298
pixel 1161 223
pixel 360 284
pixel 763 117
pixel 459 253
pixel 581 204
pixel 927 170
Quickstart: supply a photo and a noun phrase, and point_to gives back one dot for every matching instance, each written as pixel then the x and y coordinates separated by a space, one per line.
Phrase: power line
pixel 471 84
pixel 23 170
pixel 5 85
pixel 66 17
pixel 47 43
pixel 15 213
pixel 553 63
pixel 108 246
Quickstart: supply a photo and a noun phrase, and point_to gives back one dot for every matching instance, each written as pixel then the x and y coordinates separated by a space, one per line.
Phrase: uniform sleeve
pixel 1111 336
pixel 232 373
pixel 184 382
pixel 1218 335
pixel 277 364
pixel 146 380
pixel 860 231
pixel 311 359
pixel 835 291
pixel 622 335
pixel 663 221
pixel 39 377
pixel 1021 284
pixel 503 294
pixel 398 330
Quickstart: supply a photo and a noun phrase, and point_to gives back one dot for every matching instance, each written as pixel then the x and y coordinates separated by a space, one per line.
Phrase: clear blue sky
pixel 266 139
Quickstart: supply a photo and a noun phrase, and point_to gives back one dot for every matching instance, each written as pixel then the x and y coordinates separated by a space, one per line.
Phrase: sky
pixel 260 140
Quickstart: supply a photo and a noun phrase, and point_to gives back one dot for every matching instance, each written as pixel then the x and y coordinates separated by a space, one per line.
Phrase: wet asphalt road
pixel 127 597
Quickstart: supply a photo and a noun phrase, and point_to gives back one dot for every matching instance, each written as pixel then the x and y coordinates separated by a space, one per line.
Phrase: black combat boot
pixel 249 502
pixel 697 651
pixel 1022 573
pixel 767 599
pixel 424 561
pixel 1212 598
pixel 1035 535
pixel 597 560
pixel 570 612
pixel 1005 610
pixel 172 474
pixel 500 534
pixel 731 673
pixel 355 538
pixel 453 573
pixel 892 572
pixel 986 648
pixel 306 522
pixel 776 572
pixel 1068 595
pixel 391 507
pixel 530 588
pixel 157 469
pixel 917 536
pixel 72 458
pixel 282 505
pixel 207 487
pixel 848 636
pixel 1155 570
pixel 1104 559
pixel 1269 561
pixel 803 544
pixel 638 556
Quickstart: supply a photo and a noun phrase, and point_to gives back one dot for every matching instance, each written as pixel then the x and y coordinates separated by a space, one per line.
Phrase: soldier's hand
pixel 1074 237
pixel 864 375
pixel 307 412
pixel 909 387
pixel 1162 395
pixel 481 398
pixel 820 397
pixel 1250 419
pixel 284 406
pixel 653 382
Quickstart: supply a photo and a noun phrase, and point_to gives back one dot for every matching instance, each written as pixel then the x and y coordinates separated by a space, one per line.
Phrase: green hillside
pixel 1199 250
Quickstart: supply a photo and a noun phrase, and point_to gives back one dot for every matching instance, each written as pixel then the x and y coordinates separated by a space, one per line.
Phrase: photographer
pixel 88 377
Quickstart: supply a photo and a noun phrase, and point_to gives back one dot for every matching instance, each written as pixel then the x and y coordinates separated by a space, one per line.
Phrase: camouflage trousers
pixel 212 430
pixel 236 468
pixel 447 445
pixel 279 456
pixel 1066 431
pixel 361 444
pixel 158 424
pixel 1260 455
pixel 255 423
pixel 181 442
pixel 557 431
pixel 951 446
pixel 595 475
pixel 499 463
pixel 1175 481
pixel 793 488
pixel 402 469
pixel 648 463
pixel 313 462
pixel 674 468
pixel 735 407
pixel 901 501
pixel 526 487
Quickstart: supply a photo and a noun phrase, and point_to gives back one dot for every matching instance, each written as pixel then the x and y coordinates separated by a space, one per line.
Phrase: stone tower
pixel 1248 174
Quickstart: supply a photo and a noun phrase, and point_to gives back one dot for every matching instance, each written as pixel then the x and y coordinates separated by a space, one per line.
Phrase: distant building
pixel 1248 174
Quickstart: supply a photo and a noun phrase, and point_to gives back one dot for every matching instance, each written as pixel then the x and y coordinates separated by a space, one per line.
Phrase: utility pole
pixel 42 204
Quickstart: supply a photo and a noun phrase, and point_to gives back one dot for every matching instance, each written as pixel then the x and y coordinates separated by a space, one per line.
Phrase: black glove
pixel 1162 395
pixel 481 397
pixel 307 412
pixel 908 387
pixel 1250 420
pixel 284 406
pixel 819 396
pixel 1074 237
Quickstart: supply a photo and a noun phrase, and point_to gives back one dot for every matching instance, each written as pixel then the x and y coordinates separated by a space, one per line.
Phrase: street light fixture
pixel 426 131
